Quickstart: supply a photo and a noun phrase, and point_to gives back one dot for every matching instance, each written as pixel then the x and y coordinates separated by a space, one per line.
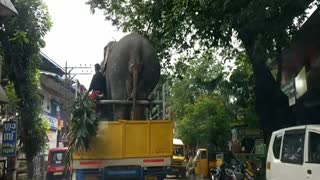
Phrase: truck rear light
pixel 268 165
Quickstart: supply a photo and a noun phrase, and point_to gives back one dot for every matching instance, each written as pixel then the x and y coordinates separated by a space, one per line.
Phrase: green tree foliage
pixel 194 77
pixel 207 98
pixel 83 124
pixel 264 28
pixel 201 115
pixel 21 43
pixel 211 22
pixel 238 91
pixel 206 121
pixel 12 96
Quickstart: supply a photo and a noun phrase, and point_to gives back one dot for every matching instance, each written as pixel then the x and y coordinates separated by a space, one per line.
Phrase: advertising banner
pixel 9 138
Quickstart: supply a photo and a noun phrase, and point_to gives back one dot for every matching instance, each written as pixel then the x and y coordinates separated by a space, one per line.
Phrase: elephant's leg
pixel 121 112
pixel 107 108
pixel 140 112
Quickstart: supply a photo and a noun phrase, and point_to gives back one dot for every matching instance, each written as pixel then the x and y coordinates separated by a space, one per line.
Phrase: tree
pixel 238 91
pixel 264 28
pixel 206 121
pixel 201 115
pixel 194 76
pixel 21 43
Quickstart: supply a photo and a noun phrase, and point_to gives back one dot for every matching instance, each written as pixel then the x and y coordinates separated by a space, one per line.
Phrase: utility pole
pixel 68 70
pixel 84 71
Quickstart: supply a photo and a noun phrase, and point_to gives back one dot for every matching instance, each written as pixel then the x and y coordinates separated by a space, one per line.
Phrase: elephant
pixel 132 71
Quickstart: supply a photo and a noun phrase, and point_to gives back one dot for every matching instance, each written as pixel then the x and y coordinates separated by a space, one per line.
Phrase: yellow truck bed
pixel 130 139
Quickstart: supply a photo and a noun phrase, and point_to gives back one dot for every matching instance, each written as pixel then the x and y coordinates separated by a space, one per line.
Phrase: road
pixel 173 178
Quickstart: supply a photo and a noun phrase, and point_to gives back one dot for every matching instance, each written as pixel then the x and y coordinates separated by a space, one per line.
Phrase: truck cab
pixel 178 167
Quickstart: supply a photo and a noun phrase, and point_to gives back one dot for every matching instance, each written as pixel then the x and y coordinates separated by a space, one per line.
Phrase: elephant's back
pixel 124 48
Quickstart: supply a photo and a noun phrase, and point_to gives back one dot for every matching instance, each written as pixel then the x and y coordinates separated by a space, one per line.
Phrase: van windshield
pixel 178 151
pixel 58 158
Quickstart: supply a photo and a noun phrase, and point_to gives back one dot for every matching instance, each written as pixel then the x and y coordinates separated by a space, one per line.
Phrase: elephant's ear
pixel 106 54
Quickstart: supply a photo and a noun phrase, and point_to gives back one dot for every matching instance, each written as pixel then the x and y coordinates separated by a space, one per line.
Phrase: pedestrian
pixel 98 88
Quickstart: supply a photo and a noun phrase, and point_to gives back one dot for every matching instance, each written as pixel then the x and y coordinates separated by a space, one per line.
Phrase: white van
pixel 294 154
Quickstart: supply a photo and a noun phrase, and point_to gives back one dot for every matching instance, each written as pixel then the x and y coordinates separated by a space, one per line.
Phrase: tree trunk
pixel 30 168
pixel 272 104
pixel 11 168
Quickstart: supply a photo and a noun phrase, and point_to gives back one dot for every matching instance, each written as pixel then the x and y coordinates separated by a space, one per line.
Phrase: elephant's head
pixel 106 53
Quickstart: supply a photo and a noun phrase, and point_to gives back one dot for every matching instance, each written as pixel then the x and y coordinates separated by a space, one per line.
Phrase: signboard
pixel 9 138
pixel 52 121
pixel 301 83
pixel 290 90
pixel 64 138
pixel 52 136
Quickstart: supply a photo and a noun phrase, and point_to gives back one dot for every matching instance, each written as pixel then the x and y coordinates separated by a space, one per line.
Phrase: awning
pixel 3 97
pixel 7 8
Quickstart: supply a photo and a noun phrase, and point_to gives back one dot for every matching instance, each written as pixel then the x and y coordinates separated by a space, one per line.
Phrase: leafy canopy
pixel 201 116
pixel 207 98
pixel 182 23
pixel 263 27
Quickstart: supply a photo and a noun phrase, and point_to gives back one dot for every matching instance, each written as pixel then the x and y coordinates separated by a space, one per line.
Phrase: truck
pixel 127 149
pixel 178 166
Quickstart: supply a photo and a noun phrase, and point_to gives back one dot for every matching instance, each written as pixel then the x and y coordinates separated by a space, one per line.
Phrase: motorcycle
pixel 236 172
pixel 226 173
pixel 249 171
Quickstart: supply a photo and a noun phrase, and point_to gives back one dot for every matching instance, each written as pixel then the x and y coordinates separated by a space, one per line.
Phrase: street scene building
pixel 57 95
pixel 301 71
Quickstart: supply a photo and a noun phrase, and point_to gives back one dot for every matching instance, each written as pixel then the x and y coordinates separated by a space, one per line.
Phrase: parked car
pixel 294 153
pixel 57 164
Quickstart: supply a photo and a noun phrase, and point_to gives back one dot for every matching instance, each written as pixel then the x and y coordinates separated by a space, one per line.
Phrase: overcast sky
pixel 77 35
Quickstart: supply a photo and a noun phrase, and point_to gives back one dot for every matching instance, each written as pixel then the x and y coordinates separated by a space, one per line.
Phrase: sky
pixel 77 36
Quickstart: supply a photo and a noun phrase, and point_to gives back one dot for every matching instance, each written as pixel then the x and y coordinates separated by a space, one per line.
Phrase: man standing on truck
pixel 97 86
pixel 98 82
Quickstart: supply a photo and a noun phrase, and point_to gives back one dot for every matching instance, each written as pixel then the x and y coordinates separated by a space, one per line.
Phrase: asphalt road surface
pixel 174 178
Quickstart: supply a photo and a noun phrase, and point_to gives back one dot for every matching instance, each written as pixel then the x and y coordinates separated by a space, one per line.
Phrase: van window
pixel 314 147
pixel 276 146
pixel 293 145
